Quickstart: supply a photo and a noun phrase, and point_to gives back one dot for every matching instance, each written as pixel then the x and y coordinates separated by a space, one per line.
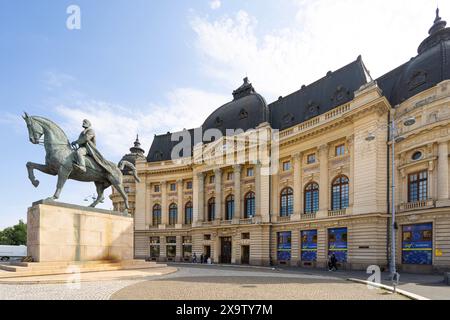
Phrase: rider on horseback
pixel 87 136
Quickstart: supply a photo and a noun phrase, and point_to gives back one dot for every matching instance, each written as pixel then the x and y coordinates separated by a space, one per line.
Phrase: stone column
pixel 298 194
pixel 351 151
pixel 237 191
pixel 324 186
pixel 164 209
pixel 218 194
pixel 258 189
pixel 443 171
pixel 180 204
pixel 179 254
pixel 198 196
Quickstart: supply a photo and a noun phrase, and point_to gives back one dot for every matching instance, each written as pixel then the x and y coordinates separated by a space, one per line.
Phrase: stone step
pixel 36 268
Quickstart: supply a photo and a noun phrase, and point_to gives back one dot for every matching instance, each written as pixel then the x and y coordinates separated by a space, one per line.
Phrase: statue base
pixel 60 232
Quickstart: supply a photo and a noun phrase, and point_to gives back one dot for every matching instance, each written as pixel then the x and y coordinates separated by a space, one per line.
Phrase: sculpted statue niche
pixel 79 160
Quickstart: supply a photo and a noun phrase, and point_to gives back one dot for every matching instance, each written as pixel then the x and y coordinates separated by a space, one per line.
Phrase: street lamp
pixel 394 138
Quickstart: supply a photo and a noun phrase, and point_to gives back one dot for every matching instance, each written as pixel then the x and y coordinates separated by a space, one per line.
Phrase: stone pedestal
pixel 59 232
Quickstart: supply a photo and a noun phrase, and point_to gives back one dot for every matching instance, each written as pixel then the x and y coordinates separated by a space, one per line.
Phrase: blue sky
pixel 142 66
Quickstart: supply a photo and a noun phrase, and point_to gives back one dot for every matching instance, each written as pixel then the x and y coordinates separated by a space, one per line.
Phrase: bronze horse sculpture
pixel 60 160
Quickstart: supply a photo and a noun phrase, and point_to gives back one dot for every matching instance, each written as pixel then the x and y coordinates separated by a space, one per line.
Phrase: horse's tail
pixel 124 163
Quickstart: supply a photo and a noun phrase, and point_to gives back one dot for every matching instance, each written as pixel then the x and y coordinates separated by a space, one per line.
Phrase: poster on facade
pixel 284 246
pixel 417 244
pixel 309 245
pixel 337 243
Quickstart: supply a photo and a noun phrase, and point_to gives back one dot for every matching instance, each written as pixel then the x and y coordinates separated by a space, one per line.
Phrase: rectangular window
pixel 173 187
pixel 156 188
pixel 250 172
pixel 230 176
pixel 309 245
pixel 417 244
pixel 337 243
pixel 311 158
pixel 212 179
pixel 171 247
pixel 187 248
pixel 286 166
pixel 340 150
pixel 245 236
pixel 207 237
pixel 284 246
pixel 154 247
pixel 417 186
pixel 189 185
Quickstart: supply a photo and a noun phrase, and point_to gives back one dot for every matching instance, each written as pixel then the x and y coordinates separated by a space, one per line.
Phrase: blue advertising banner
pixel 417 244
pixel 337 243
pixel 309 245
pixel 284 246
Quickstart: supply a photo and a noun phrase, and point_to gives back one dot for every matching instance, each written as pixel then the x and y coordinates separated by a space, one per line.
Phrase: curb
pixel 407 294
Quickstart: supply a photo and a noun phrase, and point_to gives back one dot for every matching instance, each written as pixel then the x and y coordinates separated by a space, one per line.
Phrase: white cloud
pixel 321 35
pixel 116 125
pixel 215 4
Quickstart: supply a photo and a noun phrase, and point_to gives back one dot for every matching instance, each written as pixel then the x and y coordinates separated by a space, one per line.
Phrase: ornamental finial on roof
pixel 438 25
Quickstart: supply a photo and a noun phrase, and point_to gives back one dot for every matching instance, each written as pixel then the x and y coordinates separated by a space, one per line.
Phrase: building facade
pixel 330 145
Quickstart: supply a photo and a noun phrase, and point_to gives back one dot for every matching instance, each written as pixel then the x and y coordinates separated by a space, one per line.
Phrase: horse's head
pixel 35 130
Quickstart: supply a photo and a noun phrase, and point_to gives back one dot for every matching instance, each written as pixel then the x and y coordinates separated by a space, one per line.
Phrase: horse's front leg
pixel 41 167
pixel 63 175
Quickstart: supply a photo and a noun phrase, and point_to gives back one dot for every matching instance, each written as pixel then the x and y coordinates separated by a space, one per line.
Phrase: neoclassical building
pixel 330 145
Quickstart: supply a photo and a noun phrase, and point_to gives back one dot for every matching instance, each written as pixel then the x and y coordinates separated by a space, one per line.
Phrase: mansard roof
pixel 430 67
pixel 333 90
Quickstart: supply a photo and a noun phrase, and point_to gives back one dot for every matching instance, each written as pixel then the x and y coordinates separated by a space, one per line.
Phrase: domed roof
pixel 247 110
pixel 430 67
pixel 136 153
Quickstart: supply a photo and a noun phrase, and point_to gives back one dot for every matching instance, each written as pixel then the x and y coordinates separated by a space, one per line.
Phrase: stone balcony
pixel 337 213
pixel 308 216
pixel 417 205
pixel 283 219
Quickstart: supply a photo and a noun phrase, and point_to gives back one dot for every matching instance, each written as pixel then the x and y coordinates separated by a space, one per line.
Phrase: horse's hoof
pixel 35 183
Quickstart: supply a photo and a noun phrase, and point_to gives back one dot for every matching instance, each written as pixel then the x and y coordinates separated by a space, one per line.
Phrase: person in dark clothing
pixel 333 262
pixel 202 258
pixel 194 258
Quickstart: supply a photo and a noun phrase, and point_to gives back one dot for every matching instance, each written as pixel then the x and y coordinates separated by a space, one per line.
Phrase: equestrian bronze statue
pixel 79 160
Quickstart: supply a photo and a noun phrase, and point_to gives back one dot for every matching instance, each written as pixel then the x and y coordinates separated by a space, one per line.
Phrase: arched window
pixel 156 215
pixel 229 207
pixel 172 214
pixel 286 202
pixel 339 193
pixel 249 210
pixel 211 209
pixel 311 198
pixel 188 213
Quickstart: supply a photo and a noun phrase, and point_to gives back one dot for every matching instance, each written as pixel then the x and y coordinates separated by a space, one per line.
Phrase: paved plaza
pixel 206 282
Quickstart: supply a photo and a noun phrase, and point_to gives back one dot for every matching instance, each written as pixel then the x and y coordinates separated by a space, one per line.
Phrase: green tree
pixel 14 236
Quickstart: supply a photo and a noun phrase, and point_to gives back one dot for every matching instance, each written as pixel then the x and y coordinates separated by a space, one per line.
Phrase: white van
pixel 8 252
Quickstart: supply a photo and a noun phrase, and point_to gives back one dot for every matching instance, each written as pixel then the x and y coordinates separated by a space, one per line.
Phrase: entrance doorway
pixel 245 255
pixel 225 250
pixel 206 253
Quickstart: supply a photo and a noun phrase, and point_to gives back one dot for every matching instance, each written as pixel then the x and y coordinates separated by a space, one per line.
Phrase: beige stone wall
pixel 64 233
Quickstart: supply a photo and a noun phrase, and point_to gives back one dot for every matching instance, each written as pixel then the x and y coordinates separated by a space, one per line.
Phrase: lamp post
pixel 394 138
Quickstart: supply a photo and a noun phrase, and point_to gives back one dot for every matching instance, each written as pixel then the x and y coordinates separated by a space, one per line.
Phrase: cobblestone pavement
pixel 210 282
pixel 204 282
pixel 98 290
